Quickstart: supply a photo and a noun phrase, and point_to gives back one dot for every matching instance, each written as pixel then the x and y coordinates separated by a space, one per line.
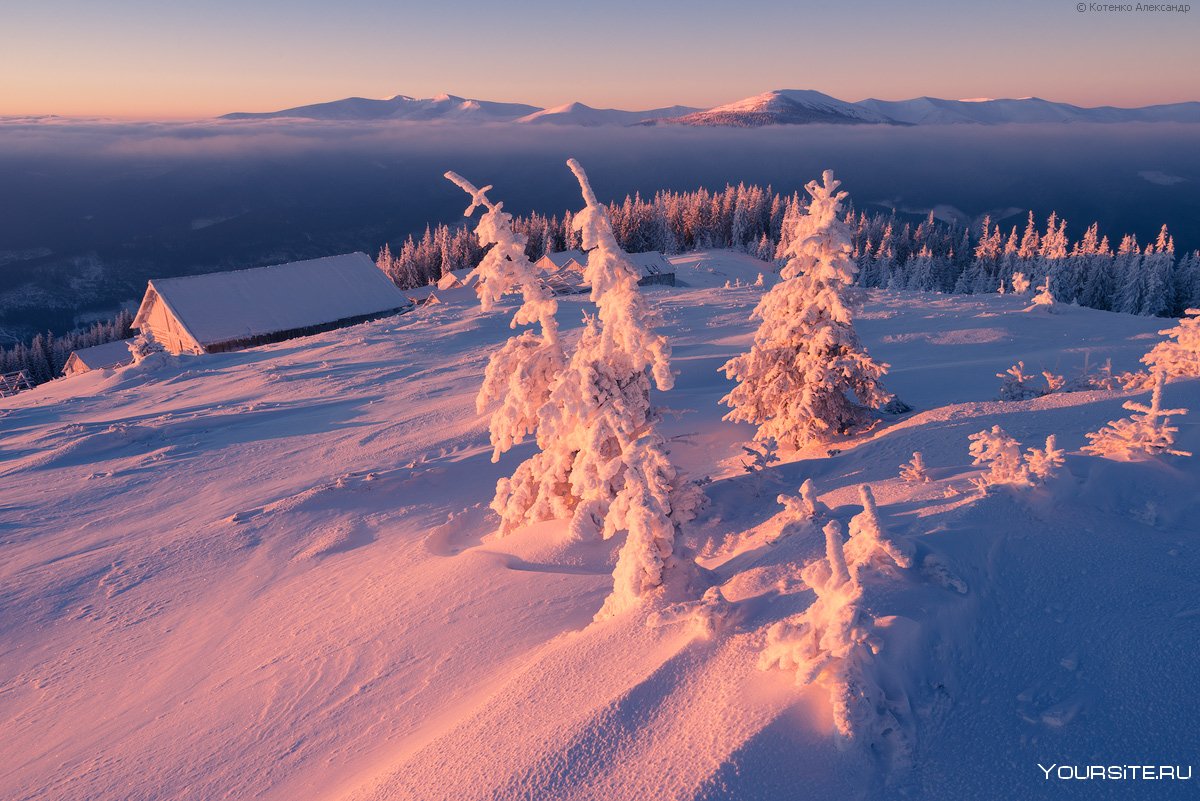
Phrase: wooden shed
pixel 225 311
pixel 98 357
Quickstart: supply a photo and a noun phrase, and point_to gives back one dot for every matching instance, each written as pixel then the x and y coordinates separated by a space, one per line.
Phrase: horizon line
pixel 165 117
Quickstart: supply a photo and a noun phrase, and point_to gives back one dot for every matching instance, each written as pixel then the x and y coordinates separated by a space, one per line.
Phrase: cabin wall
pixel 167 330
pixel 281 336
pixel 74 366
pixel 657 279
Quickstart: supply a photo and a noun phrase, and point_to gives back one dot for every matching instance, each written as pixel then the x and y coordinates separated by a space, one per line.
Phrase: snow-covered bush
pixel 1103 378
pixel 705 617
pixel 913 471
pixel 1181 357
pixel 1044 299
pixel 144 345
pixel 1054 382
pixel 1018 384
pixel 1147 432
pixel 1020 283
pixel 1001 454
pixel 519 375
pixel 760 455
pixel 869 544
pixel 1043 463
pixel 805 506
pixel 834 643
pixel 807 378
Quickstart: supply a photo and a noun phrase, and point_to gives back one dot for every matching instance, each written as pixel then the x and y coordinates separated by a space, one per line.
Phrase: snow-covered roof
pixel 449 281
pixel 649 262
pixel 110 354
pixel 228 306
pixel 562 257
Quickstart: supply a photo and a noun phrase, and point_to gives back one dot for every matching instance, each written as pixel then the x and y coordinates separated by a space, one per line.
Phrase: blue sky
pixel 153 59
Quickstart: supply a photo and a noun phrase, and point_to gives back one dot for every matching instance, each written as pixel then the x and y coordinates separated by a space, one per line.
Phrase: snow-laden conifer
pixel 1147 432
pixel 869 544
pixel 1043 463
pixel 144 345
pixel 519 375
pixel 1044 299
pixel 1179 355
pixel 913 471
pixel 807 378
pixel 1018 385
pixel 603 463
pixel 1001 454
pixel 833 643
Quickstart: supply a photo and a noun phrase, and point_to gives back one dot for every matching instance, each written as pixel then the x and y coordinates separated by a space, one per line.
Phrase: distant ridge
pixel 400 107
pixel 778 107
pixel 580 114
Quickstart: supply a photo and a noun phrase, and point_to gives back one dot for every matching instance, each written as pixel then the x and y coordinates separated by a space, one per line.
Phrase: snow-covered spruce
pixel 807 378
pixel 760 456
pixel 519 375
pixel 143 346
pixel 1179 355
pixel 806 506
pixel 1001 454
pixel 602 461
pixel 1018 385
pixel 833 642
pixel 869 544
pixel 1044 299
pixel 1020 283
pixel 913 471
pixel 1145 433
pixel 1043 463
pixel 799 509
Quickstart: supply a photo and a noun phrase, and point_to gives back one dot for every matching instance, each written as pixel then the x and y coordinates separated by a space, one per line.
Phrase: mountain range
pixel 778 107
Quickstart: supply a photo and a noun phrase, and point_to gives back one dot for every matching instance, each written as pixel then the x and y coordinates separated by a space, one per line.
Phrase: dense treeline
pixel 44 357
pixel 891 252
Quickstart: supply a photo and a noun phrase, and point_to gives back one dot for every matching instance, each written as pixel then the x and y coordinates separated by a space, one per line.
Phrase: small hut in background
pixel 98 357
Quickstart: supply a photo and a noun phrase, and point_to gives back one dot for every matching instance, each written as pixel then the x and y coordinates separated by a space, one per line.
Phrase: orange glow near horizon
pixel 133 59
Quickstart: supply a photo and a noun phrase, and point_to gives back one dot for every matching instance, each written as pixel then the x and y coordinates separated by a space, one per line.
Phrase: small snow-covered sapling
pixel 913 471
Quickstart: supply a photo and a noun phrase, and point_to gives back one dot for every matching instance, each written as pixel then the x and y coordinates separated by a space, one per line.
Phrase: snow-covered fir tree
pixel 869 543
pixel 1044 299
pixel 1147 432
pixel 1018 385
pixel 144 346
pixel 1043 463
pixel 1131 279
pixel 832 642
pixel 603 462
pixel 914 471
pixel 1179 355
pixel 520 375
pixel 807 378
pixel 1001 454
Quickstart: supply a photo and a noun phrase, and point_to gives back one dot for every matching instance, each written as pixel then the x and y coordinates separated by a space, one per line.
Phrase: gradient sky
pixel 168 59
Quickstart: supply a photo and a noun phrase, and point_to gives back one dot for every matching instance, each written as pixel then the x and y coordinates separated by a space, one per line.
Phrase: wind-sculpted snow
pixel 273 574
